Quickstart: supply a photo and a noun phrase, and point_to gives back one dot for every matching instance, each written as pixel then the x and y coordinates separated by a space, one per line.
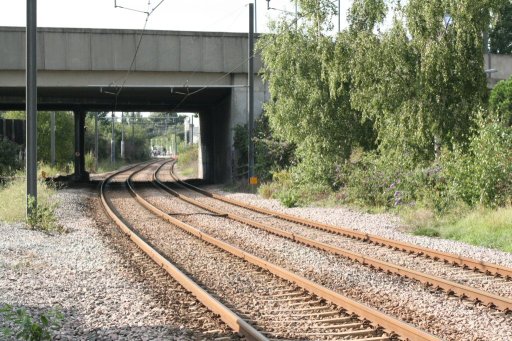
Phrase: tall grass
pixel 13 198
pixel 482 227
pixel 485 227
pixel 188 160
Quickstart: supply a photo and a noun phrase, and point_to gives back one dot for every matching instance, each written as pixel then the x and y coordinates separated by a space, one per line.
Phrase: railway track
pixel 493 288
pixel 254 297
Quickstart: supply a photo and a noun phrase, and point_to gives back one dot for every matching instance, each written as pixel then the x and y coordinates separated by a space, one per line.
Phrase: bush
pixel 29 328
pixel 42 217
pixel 270 154
pixel 9 160
pixel 90 162
pixel 481 172
pixel 379 181
pixel 288 198
pixel 500 101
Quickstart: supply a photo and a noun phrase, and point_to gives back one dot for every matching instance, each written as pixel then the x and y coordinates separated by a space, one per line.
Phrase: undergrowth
pixel 481 226
pixel 13 205
pixel 26 327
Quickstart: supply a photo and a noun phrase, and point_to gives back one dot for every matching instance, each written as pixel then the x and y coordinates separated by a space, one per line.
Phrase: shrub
pixel 9 152
pixel 481 172
pixel 500 101
pixel 288 198
pixel 42 217
pixel 380 181
pixel 28 328
pixel 90 162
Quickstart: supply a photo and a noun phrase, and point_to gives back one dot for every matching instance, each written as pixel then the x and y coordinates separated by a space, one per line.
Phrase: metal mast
pixel 251 91
pixel 31 105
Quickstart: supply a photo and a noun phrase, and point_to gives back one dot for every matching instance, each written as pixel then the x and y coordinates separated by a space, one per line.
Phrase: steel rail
pixel 391 325
pixel 229 317
pixel 461 261
pixel 450 287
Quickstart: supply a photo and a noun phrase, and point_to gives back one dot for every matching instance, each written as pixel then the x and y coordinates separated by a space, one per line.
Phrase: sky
pixel 182 15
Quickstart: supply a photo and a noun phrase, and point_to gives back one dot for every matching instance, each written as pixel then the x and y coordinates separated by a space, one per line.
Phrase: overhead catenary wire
pixel 188 94
pixel 225 74
pixel 148 14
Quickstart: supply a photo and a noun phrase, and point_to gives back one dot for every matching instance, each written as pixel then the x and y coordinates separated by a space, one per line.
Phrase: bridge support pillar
pixel 79 157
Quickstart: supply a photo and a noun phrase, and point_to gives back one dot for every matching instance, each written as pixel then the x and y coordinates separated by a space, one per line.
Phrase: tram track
pixel 283 305
pixel 451 283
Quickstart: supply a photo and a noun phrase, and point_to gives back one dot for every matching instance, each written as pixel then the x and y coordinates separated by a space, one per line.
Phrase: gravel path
pixel 105 287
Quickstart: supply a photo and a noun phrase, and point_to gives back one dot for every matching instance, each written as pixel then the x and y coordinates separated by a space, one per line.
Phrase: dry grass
pixel 13 198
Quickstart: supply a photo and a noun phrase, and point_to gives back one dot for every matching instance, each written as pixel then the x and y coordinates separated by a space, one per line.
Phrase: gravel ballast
pixel 407 300
pixel 105 287
pixel 384 225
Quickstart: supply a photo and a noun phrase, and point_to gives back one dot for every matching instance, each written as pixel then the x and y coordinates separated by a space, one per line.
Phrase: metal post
pixel 192 130
pixel 31 100
pixel 339 16
pixel 296 14
pixel 122 135
pixel 251 91
pixel 255 16
pixel 175 140
pixel 96 142
pixel 52 138
pixel 113 143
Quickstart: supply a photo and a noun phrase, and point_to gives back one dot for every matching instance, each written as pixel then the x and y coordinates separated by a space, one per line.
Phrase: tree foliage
pixel 500 101
pixel 309 108
pixel 501 30
pixel 408 93
pixel 421 80
pixel 64 134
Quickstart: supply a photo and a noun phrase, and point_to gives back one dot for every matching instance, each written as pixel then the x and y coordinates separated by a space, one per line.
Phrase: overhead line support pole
pixel 251 90
pixel 96 140
pixel 52 138
pixel 113 142
pixel 339 16
pixel 31 105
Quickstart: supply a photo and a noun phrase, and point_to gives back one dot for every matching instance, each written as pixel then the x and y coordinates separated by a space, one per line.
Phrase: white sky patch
pixel 183 15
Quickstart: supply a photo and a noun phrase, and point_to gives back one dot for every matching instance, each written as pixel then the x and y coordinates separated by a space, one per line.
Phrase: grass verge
pixel 481 227
pixel 13 204
pixel 485 227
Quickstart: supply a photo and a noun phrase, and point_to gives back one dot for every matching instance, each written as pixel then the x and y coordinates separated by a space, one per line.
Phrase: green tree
pixel 309 108
pixel 64 134
pixel 421 81
pixel 500 34
pixel 500 101
pixel 8 157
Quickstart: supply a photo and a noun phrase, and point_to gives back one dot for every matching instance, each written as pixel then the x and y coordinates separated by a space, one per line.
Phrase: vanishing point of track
pixel 254 297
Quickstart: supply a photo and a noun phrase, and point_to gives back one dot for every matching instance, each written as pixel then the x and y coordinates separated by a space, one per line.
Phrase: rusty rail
pixel 377 318
pixel 491 300
pixel 461 261
pixel 229 317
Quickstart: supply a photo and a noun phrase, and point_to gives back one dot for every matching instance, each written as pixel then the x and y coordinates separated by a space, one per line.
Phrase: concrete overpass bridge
pixel 88 70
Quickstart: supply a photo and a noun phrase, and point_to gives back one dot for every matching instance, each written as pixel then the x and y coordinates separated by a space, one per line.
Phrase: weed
pixel 42 217
pixel 427 232
pixel 266 190
pixel 289 199
pixel 25 327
